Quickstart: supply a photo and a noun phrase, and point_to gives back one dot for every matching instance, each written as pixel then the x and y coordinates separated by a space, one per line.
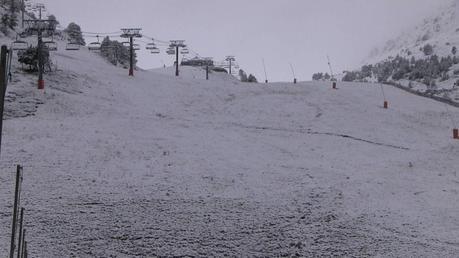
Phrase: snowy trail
pixel 155 165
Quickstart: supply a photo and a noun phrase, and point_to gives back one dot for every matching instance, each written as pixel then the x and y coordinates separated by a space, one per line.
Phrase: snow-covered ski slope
pixel 161 166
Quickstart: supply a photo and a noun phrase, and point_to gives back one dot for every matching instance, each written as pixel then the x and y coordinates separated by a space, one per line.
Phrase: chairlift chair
pixel 72 46
pixel 184 51
pixel 94 46
pixel 155 51
pixel 170 51
pixel 151 46
pixel 126 44
pixel 19 45
pixel 50 45
pixel 135 47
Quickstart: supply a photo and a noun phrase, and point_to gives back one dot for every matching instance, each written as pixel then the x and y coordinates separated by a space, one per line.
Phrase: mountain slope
pixel 441 30
pixel 156 165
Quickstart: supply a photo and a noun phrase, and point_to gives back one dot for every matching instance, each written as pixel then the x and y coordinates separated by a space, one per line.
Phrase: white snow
pixel 441 30
pixel 156 165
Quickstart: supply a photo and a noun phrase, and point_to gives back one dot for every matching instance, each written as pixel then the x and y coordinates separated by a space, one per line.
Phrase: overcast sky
pixel 301 32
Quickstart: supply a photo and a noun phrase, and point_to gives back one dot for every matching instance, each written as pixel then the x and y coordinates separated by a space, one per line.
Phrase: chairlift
pixel 50 45
pixel 94 46
pixel 19 45
pixel 170 51
pixel 151 46
pixel 135 47
pixel 184 51
pixel 72 46
pixel 126 44
pixel 155 51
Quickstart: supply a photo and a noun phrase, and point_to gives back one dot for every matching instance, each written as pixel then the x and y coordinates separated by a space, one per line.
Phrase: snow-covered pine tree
pixel 74 33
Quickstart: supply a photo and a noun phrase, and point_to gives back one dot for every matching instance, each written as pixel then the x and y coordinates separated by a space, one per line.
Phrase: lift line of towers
pixel 175 47
pixel 39 26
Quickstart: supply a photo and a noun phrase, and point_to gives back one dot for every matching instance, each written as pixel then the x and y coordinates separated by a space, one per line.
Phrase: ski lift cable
pixel 156 39
pixel 194 52
pixel 101 33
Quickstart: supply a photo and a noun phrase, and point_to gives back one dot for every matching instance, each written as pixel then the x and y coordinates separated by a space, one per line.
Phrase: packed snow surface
pixel 156 165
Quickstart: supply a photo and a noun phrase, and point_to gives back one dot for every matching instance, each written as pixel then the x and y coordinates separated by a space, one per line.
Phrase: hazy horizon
pixel 299 32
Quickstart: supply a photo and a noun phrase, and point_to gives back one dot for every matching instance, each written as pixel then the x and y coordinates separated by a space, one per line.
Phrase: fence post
pixel 3 85
pixel 25 253
pixel 20 239
pixel 15 211
pixel 207 72
pixel 23 249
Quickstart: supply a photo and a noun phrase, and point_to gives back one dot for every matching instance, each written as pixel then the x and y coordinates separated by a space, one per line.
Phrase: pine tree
pixel 115 52
pixel 74 33
pixel 243 76
pixel 252 79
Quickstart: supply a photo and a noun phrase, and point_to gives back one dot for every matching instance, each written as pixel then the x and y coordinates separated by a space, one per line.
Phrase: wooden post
pixel 21 233
pixel 15 211
pixel 386 104
pixel 334 85
pixel 3 85
pixel 25 253
pixel 207 72
pixel 41 65
pixel 456 133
